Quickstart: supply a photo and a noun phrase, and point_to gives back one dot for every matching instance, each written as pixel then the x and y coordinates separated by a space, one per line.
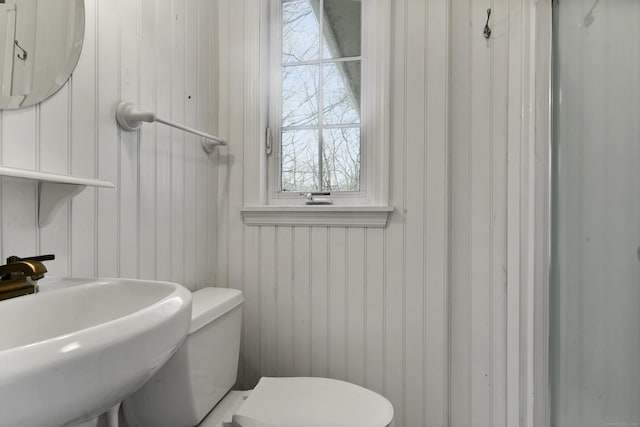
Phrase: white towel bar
pixel 129 118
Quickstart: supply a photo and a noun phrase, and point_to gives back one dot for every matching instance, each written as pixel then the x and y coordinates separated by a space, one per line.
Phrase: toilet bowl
pixel 203 370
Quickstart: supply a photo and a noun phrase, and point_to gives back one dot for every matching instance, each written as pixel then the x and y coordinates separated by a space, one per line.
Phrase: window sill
pixel 336 216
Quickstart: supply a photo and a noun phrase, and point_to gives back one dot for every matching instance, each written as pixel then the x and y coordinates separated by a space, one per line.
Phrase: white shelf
pixel 53 177
pixel 54 189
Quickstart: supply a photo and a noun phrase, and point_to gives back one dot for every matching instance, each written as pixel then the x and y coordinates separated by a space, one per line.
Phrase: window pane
pixel 341 159
pixel 300 31
pixel 341 30
pixel 300 169
pixel 300 95
pixel 341 93
pixel 320 127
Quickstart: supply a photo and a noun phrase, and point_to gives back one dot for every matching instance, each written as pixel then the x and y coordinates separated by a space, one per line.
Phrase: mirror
pixel 40 43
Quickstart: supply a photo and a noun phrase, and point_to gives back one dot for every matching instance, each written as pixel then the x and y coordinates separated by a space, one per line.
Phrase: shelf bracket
pixel 54 189
pixel 52 196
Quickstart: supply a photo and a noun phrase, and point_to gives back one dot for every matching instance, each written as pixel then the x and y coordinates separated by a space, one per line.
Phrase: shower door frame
pixel 528 217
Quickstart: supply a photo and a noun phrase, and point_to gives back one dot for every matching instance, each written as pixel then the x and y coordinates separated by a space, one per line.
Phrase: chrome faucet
pixel 20 275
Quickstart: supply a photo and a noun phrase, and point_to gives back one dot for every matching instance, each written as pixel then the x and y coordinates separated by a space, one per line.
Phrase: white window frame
pixel 368 207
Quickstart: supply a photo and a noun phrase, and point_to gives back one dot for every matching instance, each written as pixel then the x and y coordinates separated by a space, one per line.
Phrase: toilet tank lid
pixel 210 303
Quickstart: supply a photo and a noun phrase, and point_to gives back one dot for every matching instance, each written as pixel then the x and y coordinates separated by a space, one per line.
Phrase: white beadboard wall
pixel 419 310
pixel 159 221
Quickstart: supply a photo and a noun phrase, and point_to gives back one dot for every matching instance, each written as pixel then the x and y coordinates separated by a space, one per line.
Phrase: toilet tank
pixel 200 373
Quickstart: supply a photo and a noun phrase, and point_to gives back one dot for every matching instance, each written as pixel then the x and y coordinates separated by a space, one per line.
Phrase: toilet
pixel 197 380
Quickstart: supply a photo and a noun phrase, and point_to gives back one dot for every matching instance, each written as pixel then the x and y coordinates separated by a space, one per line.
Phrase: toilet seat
pixel 312 402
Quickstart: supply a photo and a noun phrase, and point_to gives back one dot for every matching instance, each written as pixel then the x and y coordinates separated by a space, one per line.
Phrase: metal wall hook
pixel 23 55
pixel 487 29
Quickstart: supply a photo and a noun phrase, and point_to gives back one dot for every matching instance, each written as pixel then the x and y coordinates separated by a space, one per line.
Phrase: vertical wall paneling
pixel 252 279
pixel 356 276
pixel 417 310
pixel 54 156
pixel 128 170
pixel 230 233
pixel 481 199
pixel 247 47
pixel 83 147
pixel 53 121
pixel 498 219
pixel 301 301
pixel 222 273
pixel 108 78
pixel 436 219
pixel 222 202
pixel 235 107
pixel 203 224
pixel 268 299
pixel 395 232
pixel 320 298
pixel 461 72
pixel 515 275
pixel 479 214
pixel 208 55
pixel 414 181
pixel 19 138
pixel 192 147
pixel 178 138
pixel 358 304
pixel 284 301
pixel 19 217
pixel 164 146
pixel 127 231
pixel 374 338
pixel 338 303
pixel 148 141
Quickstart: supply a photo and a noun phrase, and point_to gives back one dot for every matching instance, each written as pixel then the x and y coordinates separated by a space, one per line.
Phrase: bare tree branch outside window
pixel 320 128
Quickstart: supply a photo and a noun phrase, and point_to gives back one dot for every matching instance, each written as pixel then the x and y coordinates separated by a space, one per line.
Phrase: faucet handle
pixel 14 258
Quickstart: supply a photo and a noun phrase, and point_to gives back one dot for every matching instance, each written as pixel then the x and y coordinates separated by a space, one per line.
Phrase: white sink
pixel 79 347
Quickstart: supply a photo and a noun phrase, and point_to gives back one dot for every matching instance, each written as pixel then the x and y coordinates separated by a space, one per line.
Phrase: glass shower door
pixel 595 263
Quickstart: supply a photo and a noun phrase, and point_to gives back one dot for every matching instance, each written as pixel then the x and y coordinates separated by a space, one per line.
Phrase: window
pixel 327 74
pixel 322 72
pixel 320 134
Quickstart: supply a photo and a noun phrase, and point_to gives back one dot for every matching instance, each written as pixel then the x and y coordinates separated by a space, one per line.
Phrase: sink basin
pixel 79 347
